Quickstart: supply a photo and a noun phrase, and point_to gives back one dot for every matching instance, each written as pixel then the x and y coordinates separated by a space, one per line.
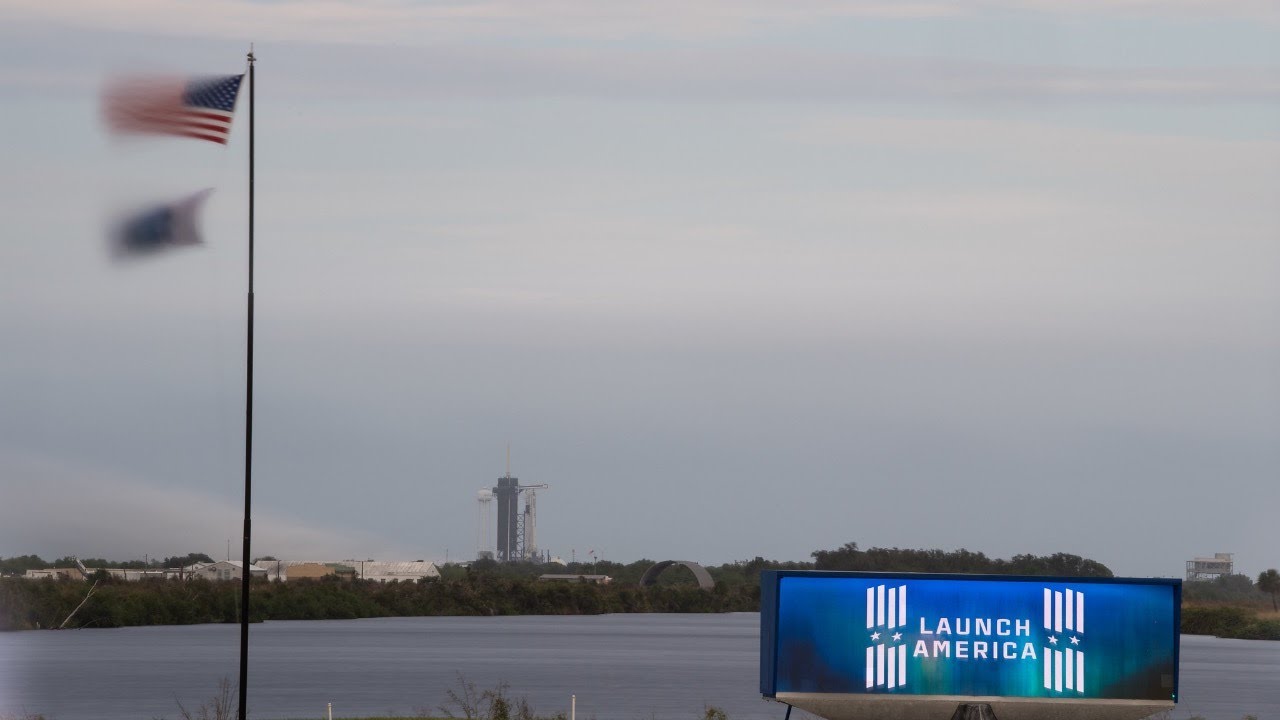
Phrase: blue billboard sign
pixel 969 636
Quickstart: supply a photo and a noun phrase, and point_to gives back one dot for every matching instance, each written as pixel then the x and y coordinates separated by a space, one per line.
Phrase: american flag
pixel 198 108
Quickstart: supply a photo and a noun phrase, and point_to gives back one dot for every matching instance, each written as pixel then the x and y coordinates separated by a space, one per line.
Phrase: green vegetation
pixel 1269 583
pixel 471 703
pixel 32 604
pixel 219 707
pixel 1236 590
pixel 465 702
pixel 849 557
pixel 1229 621
pixel 1232 606
pixel 481 588
pixel 20 564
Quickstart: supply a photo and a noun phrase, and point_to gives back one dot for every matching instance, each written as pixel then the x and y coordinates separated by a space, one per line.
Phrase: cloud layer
pixel 741 279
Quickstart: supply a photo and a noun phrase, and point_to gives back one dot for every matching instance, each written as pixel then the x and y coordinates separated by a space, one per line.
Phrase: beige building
pixel 304 571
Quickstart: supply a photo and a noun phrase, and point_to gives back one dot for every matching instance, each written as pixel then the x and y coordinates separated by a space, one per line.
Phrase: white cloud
pixel 446 262
pixel 330 21
pixel 718 50
pixel 54 507
pixel 428 23
pixel 1253 9
pixel 1102 153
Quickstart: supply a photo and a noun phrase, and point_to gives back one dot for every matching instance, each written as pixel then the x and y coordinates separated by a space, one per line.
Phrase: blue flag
pixel 159 227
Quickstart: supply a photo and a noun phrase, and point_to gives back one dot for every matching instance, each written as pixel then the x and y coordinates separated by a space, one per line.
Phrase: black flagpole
pixel 248 430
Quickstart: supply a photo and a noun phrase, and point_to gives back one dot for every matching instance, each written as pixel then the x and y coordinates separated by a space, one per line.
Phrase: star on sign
pixel 1075 641
pixel 897 637
pixel 875 636
pixel 1053 639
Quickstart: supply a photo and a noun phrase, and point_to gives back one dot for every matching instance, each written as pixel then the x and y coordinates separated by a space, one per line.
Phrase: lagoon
pixel 629 667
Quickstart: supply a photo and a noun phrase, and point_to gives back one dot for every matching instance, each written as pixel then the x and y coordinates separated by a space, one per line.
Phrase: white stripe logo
pixel 886 662
pixel 1064 666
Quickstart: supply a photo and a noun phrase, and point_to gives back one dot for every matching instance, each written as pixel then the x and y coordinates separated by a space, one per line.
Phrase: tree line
pixel 486 587
pixel 20 564
pixel 34 604
pixel 846 557
pixel 483 587
pixel 849 557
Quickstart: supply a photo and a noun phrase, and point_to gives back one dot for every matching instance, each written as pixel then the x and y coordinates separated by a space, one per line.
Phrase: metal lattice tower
pixel 484 503
pixel 528 533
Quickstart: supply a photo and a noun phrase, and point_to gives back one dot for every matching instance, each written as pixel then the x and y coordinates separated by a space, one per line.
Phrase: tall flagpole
pixel 248 430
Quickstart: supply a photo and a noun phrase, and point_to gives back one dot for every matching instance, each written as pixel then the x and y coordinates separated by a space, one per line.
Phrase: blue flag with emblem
pixel 159 227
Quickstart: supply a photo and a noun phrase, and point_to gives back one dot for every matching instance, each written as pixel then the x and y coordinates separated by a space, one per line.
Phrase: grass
pixel 1230 621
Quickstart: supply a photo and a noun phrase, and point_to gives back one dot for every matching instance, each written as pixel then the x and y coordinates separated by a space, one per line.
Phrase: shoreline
pixel 1224 622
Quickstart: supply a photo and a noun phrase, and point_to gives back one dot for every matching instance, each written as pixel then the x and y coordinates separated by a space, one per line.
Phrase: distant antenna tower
pixel 484 503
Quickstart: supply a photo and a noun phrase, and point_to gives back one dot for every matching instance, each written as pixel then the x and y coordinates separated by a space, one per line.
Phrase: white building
pixel 381 571
pixel 222 570
pixel 56 574
pixel 593 579
pixel 388 571
pixel 134 575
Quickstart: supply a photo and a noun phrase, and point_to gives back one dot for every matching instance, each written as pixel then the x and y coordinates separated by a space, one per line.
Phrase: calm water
pixel 630 667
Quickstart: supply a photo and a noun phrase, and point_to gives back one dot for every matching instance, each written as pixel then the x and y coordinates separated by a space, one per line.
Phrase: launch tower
pixel 517 530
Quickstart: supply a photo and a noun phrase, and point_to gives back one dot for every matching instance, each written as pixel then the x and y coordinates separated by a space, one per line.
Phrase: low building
pixel 298 571
pixel 381 571
pixel 129 574
pixel 222 570
pixel 406 571
pixel 225 570
pixel 135 574
pixel 55 573
pixel 1203 568
pixel 596 579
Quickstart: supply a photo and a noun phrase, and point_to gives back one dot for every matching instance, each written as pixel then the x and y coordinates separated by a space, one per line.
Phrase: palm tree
pixel 1269 582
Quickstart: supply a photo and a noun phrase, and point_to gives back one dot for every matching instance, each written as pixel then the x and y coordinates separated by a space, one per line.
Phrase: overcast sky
pixel 734 278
